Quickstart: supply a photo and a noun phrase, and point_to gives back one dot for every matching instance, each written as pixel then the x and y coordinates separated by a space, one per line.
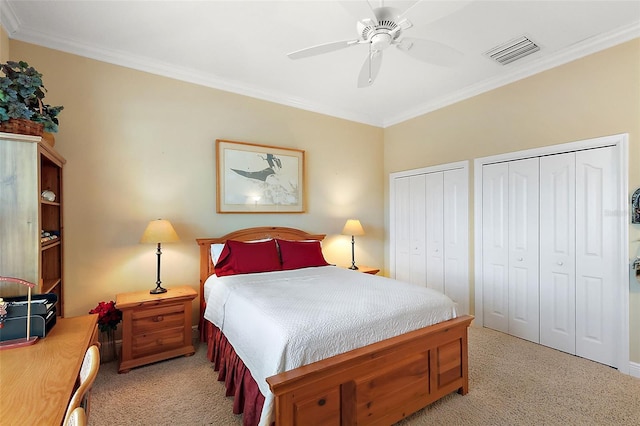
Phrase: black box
pixel 43 316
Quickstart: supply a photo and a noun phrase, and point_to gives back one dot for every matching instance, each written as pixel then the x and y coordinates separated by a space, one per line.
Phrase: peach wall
pixel 4 45
pixel 594 96
pixel 140 147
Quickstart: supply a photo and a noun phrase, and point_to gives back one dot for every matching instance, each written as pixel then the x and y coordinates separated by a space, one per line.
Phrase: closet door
pixel 456 231
pixel 524 308
pixel 402 212
pixel 435 231
pixel 495 246
pixel 557 252
pixel 596 251
pixel 410 229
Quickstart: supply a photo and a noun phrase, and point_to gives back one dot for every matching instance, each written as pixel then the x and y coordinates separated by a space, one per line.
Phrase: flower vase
pixel 107 345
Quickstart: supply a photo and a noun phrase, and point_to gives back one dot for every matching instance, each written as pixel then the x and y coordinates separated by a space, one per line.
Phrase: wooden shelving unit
pixel 29 166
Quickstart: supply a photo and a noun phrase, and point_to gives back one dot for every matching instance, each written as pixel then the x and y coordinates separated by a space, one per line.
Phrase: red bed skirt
pixel 247 399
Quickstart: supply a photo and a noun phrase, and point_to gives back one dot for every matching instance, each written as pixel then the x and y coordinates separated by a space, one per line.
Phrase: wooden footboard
pixel 378 384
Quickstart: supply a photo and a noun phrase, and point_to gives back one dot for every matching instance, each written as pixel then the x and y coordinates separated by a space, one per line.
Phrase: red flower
pixel 108 315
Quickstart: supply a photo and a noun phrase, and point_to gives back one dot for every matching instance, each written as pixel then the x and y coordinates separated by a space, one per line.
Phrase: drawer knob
pixel 158 318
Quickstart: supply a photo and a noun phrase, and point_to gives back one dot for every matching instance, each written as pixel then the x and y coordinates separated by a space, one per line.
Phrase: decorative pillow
pixel 301 254
pixel 239 257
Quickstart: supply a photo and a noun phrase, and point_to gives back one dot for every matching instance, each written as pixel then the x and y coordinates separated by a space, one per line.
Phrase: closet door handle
pixel 520 259
pixel 561 263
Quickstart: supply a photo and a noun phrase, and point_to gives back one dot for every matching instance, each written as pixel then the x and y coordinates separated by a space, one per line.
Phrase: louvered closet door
pixel 596 251
pixel 557 252
pixel 495 246
pixel 523 249
pixel 435 231
pixel 456 261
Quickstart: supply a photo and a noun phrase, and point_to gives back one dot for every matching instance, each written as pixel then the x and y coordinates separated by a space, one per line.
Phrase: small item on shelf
pixel 48 235
pixel 48 195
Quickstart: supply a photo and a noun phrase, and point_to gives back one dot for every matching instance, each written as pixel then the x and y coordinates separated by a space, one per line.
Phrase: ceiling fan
pixel 380 28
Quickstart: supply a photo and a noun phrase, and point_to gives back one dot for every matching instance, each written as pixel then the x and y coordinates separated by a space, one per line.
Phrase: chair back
pixel 78 417
pixel 88 373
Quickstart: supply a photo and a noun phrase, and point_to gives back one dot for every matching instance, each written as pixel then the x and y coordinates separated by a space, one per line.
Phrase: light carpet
pixel 511 382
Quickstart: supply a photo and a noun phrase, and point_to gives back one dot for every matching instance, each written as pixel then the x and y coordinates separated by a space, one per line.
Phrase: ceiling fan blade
pixel 321 48
pixel 370 69
pixel 430 51
pixel 360 10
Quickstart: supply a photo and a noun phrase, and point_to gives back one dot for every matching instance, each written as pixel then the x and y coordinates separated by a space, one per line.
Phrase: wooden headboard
pixel 248 234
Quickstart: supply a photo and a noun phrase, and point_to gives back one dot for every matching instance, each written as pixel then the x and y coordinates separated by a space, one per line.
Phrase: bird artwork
pixel 275 186
pixel 273 162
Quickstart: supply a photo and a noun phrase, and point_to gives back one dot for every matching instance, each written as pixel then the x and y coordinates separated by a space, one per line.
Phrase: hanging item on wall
pixel 635 207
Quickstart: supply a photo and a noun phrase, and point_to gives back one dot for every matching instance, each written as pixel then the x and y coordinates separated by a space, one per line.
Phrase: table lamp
pixel 353 228
pixel 159 231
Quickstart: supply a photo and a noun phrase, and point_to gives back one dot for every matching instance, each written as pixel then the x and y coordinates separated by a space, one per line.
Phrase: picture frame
pixel 256 178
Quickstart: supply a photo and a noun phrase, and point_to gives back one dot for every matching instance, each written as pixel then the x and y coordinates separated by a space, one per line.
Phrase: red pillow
pixel 238 257
pixel 300 254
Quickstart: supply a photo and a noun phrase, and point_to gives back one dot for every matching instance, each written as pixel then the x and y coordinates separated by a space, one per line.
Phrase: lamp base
pixel 354 267
pixel 158 290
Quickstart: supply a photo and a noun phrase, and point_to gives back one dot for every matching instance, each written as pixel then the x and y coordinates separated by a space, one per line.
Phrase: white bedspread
pixel 277 321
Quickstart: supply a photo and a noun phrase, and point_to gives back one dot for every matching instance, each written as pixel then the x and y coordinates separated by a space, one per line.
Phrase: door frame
pixel 620 143
pixel 464 165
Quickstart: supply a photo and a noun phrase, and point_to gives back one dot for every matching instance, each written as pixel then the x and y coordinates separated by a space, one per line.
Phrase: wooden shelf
pixel 32 167
pixel 50 284
pixel 51 243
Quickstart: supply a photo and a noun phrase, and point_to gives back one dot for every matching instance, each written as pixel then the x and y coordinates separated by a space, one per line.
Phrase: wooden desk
pixel 38 380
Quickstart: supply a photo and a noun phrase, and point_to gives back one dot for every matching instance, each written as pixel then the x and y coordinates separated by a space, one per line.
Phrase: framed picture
pixel 253 178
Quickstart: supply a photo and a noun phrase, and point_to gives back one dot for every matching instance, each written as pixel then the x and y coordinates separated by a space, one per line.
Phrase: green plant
pixel 21 95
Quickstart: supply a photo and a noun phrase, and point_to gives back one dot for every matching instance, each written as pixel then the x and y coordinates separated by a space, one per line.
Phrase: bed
pixel 376 383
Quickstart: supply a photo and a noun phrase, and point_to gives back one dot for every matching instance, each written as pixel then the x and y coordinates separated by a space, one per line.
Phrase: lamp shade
pixel 159 231
pixel 353 227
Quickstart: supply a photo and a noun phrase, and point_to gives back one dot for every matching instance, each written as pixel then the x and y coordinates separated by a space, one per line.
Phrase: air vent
pixel 513 50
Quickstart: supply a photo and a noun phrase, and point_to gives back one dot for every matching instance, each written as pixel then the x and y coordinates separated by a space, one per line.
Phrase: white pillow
pixel 216 249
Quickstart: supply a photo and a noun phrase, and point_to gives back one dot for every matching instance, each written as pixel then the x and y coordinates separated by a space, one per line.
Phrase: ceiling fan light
pixel 381 41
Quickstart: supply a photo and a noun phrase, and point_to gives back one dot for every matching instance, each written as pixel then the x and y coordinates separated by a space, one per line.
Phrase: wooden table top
pixel 141 298
pixel 38 380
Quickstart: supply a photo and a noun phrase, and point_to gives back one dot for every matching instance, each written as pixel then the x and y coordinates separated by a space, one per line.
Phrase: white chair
pixel 88 373
pixel 78 417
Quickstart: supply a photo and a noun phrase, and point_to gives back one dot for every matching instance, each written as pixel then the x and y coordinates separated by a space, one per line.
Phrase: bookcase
pixel 28 167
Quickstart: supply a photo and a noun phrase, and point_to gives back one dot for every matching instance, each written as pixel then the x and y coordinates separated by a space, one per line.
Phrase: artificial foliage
pixel 21 95
pixel 108 315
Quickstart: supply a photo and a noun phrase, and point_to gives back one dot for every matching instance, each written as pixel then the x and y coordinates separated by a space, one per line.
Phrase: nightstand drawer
pixel 161 317
pixel 160 341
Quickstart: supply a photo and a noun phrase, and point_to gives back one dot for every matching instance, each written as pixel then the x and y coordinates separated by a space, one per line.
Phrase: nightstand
pixel 368 270
pixel 155 327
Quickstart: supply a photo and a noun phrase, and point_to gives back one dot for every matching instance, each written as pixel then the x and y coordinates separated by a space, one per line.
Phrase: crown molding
pixel 16 30
pixel 165 69
pixel 577 51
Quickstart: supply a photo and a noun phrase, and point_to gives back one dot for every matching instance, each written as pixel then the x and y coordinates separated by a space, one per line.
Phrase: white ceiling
pixel 241 46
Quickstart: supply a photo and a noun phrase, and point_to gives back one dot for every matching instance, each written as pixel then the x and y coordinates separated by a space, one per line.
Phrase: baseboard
pixel 634 369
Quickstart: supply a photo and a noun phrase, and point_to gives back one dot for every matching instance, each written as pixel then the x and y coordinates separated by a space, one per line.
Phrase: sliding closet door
pixel 435 231
pixel 596 251
pixel 524 310
pixel 557 252
pixel 495 246
pixel 456 232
